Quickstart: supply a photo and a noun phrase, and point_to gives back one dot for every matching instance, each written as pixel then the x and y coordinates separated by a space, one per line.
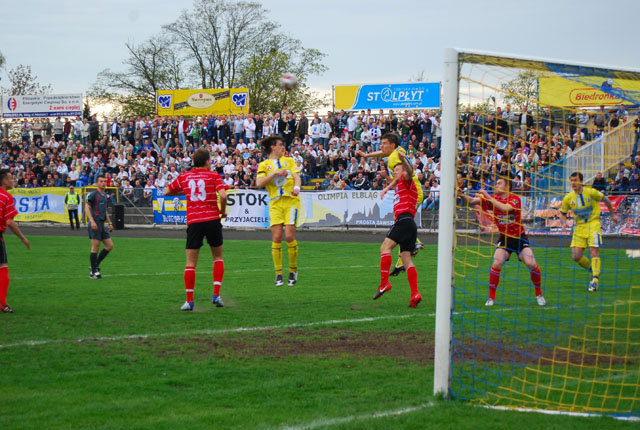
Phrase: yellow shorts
pixel 587 235
pixel 285 211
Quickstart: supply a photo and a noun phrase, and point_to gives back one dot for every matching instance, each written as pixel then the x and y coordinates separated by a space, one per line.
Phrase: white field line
pixel 344 420
pixel 566 413
pixel 238 329
pixel 115 275
pixel 210 332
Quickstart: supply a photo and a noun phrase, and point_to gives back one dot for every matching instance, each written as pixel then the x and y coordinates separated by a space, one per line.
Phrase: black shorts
pixel 101 233
pixel 513 244
pixel 404 232
pixel 197 231
pixel 3 251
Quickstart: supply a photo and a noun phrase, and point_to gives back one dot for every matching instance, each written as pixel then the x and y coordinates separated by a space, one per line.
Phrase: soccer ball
pixel 288 81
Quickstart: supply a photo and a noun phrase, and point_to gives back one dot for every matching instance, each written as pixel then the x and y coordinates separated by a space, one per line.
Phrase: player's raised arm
pixel 408 169
pixel 504 207
pixel 470 200
pixel 374 154
pixel 387 188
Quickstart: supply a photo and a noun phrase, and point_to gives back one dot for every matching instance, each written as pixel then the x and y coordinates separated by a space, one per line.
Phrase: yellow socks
pixel 276 254
pixel 584 262
pixel 292 251
pixel 596 265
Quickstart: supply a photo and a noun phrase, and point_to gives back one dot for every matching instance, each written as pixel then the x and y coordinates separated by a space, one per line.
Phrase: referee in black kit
pixel 96 209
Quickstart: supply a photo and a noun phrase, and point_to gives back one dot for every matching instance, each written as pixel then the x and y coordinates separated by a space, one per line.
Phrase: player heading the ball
pixel 280 176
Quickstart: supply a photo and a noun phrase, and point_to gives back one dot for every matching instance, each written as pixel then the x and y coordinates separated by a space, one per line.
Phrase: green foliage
pixel 215 44
pixel 273 57
pixel 522 91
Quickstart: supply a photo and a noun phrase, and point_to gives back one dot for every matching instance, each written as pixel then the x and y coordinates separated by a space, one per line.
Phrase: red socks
pixel 189 281
pixel 218 274
pixel 536 280
pixel 494 279
pixel 385 264
pixel 412 277
pixel 4 285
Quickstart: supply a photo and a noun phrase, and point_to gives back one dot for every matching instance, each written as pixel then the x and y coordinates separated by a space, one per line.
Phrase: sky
pixel 370 41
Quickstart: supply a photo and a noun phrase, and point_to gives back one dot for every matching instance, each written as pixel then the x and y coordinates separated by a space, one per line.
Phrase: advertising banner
pixel 41 204
pixel 250 208
pixel 541 215
pixel 48 105
pixel 198 102
pixel 418 95
pixel 170 209
pixel 559 91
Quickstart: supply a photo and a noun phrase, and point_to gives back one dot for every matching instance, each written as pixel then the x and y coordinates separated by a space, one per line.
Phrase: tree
pixel 22 81
pixel 522 91
pixel 219 35
pixel 151 66
pixel 216 44
pixel 271 58
pixel 2 61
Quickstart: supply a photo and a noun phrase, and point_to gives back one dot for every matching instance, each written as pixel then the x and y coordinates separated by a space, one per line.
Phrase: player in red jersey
pixel 201 187
pixel 7 212
pixel 404 231
pixel 506 210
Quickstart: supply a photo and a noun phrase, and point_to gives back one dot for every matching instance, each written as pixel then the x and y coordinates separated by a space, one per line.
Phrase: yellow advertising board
pixel 40 204
pixel 197 102
pixel 559 91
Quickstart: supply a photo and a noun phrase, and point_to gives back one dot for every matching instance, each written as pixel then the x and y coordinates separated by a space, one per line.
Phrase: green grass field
pixel 117 352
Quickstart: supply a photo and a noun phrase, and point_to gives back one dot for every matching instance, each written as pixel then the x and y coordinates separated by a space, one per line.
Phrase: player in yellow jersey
pixel 584 202
pixel 390 147
pixel 280 176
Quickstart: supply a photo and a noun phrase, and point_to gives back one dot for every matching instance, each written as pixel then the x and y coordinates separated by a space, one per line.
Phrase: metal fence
pixel 601 154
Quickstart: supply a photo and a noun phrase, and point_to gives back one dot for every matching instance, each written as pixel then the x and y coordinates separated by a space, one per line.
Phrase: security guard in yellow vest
pixel 72 200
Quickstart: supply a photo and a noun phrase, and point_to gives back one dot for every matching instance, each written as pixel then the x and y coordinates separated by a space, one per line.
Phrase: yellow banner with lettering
pixel 558 91
pixel 41 204
pixel 196 102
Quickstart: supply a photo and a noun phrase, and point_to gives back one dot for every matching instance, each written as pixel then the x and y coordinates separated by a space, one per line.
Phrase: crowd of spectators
pixel 525 145
pixel 143 153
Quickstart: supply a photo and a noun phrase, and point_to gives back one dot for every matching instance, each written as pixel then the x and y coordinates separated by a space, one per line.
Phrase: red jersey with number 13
pixel 509 223
pixel 406 198
pixel 200 186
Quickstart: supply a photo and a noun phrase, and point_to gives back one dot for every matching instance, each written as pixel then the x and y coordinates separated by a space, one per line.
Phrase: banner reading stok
pixel 418 95
pixel 250 208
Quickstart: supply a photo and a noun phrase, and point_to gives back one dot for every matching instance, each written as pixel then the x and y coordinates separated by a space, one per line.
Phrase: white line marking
pixel 211 332
pixel 567 413
pixel 115 275
pixel 245 329
pixel 344 420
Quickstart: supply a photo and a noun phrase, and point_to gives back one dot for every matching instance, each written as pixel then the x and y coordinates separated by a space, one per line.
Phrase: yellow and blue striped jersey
pixel 585 206
pixel 280 186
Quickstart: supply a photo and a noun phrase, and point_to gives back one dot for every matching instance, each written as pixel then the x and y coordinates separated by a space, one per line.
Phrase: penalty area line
pixel 344 420
pixel 565 413
pixel 210 332
pixel 116 275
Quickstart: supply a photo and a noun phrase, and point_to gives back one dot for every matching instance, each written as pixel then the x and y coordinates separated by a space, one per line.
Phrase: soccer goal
pixel 538 122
